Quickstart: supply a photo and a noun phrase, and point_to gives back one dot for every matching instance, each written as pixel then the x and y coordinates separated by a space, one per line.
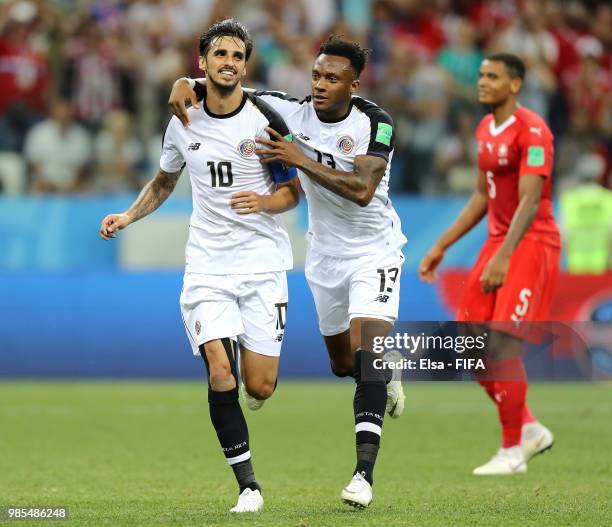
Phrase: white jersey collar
pixel 333 122
pixel 496 130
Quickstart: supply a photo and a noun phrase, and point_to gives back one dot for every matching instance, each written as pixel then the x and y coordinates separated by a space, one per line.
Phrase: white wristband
pixel 191 82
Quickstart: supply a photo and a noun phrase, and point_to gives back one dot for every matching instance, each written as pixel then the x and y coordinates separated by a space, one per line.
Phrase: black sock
pixel 245 475
pixel 388 376
pixel 369 406
pixel 366 458
pixel 230 425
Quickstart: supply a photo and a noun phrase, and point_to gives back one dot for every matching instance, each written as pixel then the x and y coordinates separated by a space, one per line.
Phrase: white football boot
pixel 507 461
pixel 395 391
pixel 358 493
pixel 249 501
pixel 249 400
pixel 535 439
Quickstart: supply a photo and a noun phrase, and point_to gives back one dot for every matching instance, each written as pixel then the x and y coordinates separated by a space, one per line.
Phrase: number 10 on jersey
pixel 221 173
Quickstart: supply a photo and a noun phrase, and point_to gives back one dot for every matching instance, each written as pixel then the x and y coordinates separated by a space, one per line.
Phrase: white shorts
pixel 346 288
pixel 250 308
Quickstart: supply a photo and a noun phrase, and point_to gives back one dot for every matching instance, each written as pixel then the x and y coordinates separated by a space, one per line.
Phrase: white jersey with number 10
pixel 219 151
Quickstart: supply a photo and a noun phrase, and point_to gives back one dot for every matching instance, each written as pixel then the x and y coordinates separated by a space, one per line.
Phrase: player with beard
pixel 235 285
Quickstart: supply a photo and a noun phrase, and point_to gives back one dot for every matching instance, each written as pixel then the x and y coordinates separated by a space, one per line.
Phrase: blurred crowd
pixel 84 83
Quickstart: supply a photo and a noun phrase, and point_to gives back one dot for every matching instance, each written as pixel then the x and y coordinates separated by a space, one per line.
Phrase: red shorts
pixel 527 293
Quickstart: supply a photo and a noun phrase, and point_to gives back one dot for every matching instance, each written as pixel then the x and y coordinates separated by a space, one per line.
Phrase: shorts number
pixel 222 172
pixel 281 315
pixel 330 159
pixel 391 275
pixel 491 183
pixel 521 308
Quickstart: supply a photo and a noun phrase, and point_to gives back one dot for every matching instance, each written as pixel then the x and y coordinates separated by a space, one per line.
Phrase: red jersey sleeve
pixel 536 149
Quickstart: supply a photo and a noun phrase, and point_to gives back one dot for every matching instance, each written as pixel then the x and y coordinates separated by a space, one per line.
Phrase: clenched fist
pixel 113 223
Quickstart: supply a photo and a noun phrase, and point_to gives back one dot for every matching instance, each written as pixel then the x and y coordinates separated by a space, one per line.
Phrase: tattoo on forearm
pixel 353 185
pixel 154 193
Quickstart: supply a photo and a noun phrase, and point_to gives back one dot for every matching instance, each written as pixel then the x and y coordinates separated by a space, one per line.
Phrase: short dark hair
pixel 336 45
pixel 226 28
pixel 514 65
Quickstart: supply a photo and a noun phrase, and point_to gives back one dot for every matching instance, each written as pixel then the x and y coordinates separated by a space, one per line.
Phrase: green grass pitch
pixel 123 454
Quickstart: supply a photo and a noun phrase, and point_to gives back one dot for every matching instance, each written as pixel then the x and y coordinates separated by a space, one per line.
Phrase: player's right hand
pixel 248 202
pixel 429 264
pixel 113 223
pixel 182 92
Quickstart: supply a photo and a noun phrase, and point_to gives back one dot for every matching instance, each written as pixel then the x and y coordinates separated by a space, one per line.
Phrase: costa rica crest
pixel 345 144
pixel 246 148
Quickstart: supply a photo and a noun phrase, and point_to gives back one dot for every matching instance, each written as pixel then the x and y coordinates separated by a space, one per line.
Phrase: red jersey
pixel 23 76
pixel 523 145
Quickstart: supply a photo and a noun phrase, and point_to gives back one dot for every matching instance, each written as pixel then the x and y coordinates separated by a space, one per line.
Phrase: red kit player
pixel 514 276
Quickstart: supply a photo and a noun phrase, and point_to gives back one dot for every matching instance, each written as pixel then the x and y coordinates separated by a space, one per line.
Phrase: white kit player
pixel 235 285
pixel 354 260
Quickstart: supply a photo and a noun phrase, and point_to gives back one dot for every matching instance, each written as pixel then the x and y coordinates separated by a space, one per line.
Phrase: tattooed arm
pixel 358 185
pixel 154 193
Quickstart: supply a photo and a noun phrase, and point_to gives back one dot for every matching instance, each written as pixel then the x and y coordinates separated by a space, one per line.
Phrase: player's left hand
pixel 247 202
pixel 182 92
pixel 279 150
pixel 494 274
pixel 429 264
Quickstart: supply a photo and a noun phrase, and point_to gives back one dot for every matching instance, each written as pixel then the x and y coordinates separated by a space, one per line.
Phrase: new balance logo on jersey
pixel 194 146
pixel 279 336
pixel 302 136
pixel 382 298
